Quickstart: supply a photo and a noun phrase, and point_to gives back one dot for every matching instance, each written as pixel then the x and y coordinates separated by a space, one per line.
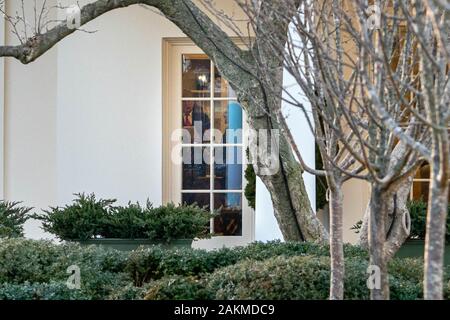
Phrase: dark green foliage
pixel 89 218
pixel 182 222
pixel 32 269
pixel 126 222
pixel 40 291
pixel 177 287
pixel 29 263
pixel 250 188
pixel 146 264
pixel 84 219
pixel 418 212
pixel 298 277
pixel 283 278
pixel 12 218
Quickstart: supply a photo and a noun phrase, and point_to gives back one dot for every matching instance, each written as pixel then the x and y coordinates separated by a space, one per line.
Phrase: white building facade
pixel 95 114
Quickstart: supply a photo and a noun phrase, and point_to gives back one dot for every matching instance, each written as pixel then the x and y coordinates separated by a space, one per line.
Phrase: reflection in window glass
pixel 200 199
pixel 196 77
pixel 222 88
pixel 423 172
pixel 196 120
pixel 228 120
pixel 229 221
pixel 420 190
pixel 196 168
pixel 227 168
pixel 421 184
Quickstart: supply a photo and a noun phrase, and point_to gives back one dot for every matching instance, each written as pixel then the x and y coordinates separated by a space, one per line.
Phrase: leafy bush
pixel 250 187
pixel 85 218
pixel 178 288
pixel 39 291
pixel 89 218
pixel 146 264
pixel 297 277
pixel 418 212
pixel 12 218
pixel 182 222
pixel 31 269
pixel 24 262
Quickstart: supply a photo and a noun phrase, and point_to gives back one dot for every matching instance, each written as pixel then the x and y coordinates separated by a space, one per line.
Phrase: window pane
pixel 423 172
pixel 228 168
pixel 196 120
pixel 221 86
pixel 229 222
pixel 201 199
pixel 196 169
pixel 228 120
pixel 196 78
pixel 420 190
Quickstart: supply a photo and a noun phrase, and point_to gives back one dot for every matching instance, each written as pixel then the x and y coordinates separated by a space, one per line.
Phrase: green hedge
pixel 418 212
pixel 153 263
pixel 88 218
pixel 297 277
pixel 12 218
pixel 40 291
pixel 42 265
pixel 31 269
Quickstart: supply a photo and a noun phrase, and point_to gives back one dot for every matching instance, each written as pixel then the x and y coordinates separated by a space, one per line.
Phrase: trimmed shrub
pixel 178 288
pixel 298 277
pixel 84 219
pixel 418 212
pixel 146 264
pixel 89 218
pixel 39 291
pixel 12 218
pixel 286 278
pixel 42 262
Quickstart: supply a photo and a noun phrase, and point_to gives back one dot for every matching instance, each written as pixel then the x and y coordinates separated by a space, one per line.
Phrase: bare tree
pixel 360 68
pixel 292 208
pixel 399 115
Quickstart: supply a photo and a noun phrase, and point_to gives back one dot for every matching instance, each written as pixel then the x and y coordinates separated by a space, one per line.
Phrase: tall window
pixel 421 184
pixel 212 146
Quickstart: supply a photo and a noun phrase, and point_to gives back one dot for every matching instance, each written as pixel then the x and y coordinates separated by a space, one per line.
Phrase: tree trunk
pixel 292 208
pixel 435 232
pixel 377 236
pixel 398 222
pixel 336 243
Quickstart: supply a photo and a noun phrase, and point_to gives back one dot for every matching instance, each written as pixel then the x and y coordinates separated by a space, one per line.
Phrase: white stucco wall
pixel 109 107
pixel 30 129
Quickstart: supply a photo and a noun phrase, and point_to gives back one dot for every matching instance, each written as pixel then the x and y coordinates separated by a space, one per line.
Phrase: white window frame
pixel 173 48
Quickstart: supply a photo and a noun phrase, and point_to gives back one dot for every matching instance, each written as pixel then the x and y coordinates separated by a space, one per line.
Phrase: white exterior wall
pixel 30 129
pixel 109 107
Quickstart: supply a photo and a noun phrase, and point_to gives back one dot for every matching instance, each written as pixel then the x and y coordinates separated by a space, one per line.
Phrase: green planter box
pixel 415 249
pixel 132 244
